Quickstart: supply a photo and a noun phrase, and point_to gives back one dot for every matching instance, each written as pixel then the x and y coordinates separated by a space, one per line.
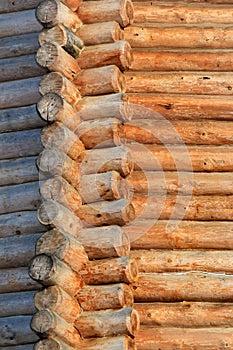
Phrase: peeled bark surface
pixel 52 343
pixel 16 280
pixel 17 304
pixel 111 343
pixel 17 5
pixel 101 33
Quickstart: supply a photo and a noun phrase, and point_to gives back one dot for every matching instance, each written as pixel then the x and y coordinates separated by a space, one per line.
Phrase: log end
pixel 47 298
pixel 47 54
pixel 131 271
pixel 133 322
pixel 51 161
pixel 52 188
pixel 127 13
pixel 47 212
pixel 49 106
pixel 126 296
pixel 40 268
pixel 52 82
pixel 126 56
pixel 52 242
pixel 128 212
pixel 46 12
pixel 42 321
pixel 47 344
pixel 123 248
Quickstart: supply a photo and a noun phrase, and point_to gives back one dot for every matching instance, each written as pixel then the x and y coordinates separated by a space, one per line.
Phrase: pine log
pixel 19 45
pixel 57 300
pixel 19 197
pixel 19 93
pixel 100 81
pixel 64 37
pixel 17 5
pixel 118 53
pixel 104 242
pixel 50 271
pixel 53 107
pixel 154 338
pixel 55 58
pixel 53 343
pixel 64 247
pixel 56 82
pixel 112 343
pixel 17 304
pixel 102 160
pixel 57 135
pixel 16 280
pixel 19 347
pixel 18 171
pixel 183 286
pixel 14 247
pixel 61 191
pixel 108 323
pixel 148 234
pixel 113 296
pixel 185 314
pixel 48 323
pixel 22 22
pixel 209 83
pixel 16 330
pixel 19 223
pixel 118 212
pixel 72 4
pixel 116 270
pixel 52 12
pixel 121 11
pixel 101 33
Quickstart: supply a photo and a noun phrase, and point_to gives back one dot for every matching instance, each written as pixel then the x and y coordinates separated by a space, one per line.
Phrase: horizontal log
pixel 20 223
pixel 100 81
pixel 19 347
pixel 17 304
pixel 16 280
pixel 18 171
pixel 16 330
pixel 116 270
pixel 48 323
pixel 183 286
pixel 209 83
pixel 185 314
pixel 22 22
pixel 50 271
pixel 19 93
pixel 118 53
pixel 17 5
pixel 19 197
pixel 118 212
pixel 165 338
pixel 102 297
pixel 19 45
pixel 57 300
pixel 52 12
pixel 17 251
pixel 107 10
pixel 52 343
pixel 101 33
pixel 72 4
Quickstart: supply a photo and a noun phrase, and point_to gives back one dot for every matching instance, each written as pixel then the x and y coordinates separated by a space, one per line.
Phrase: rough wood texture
pixel 16 280
pixel 101 33
pixel 17 5
pixel 106 271
pixel 19 347
pixel 16 304
pixel 46 322
pixel 72 4
pixel 118 53
pixel 52 343
pixel 51 271
pixel 18 171
pixel 24 44
pixel 100 81
pixel 113 296
pixel 55 58
pixel 57 300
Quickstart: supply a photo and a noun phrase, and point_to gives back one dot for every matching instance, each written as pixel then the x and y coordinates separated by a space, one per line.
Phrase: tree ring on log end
pixel 47 212
pixel 42 321
pixel 47 55
pixel 49 106
pixel 47 344
pixel 41 267
pixel 46 12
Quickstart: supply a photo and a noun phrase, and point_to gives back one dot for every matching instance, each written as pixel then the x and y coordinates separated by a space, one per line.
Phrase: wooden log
pixel 64 247
pixel 61 191
pixel 17 304
pixel 48 323
pixel 101 33
pixel 165 338
pixel 50 271
pixel 19 45
pixel 18 171
pixel 19 197
pixel 20 223
pixel 57 300
pixel 72 4
pixel 19 347
pixel 22 22
pixel 113 296
pixel 56 82
pixel 118 53
pixel 176 315
pixel 124 321
pixel 109 343
pixel 19 93
pixel 100 81
pixel 13 247
pixel 52 12
pixel 55 58
pixel 17 5
pixel 64 37
pixel 57 135
pixel 56 215
pixel 184 286
pixel 116 270
pixel 16 330
pixel 211 83
pixel 53 107
pixel 121 11
pixel 16 280
pixel 118 212
pixel 52 343
pixel 102 160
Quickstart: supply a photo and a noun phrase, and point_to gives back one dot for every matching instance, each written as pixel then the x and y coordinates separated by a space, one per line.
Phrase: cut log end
pixel 133 322
pixel 49 106
pixel 128 213
pixel 129 8
pixel 126 56
pixel 51 242
pixel 47 212
pixel 47 298
pixel 42 321
pixel 51 161
pixel 46 12
pixel 131 271
pixel 123 249
pixel 47 55
pixel 41 267
pixel 51 82
pixel 47 344
pixel 126 296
